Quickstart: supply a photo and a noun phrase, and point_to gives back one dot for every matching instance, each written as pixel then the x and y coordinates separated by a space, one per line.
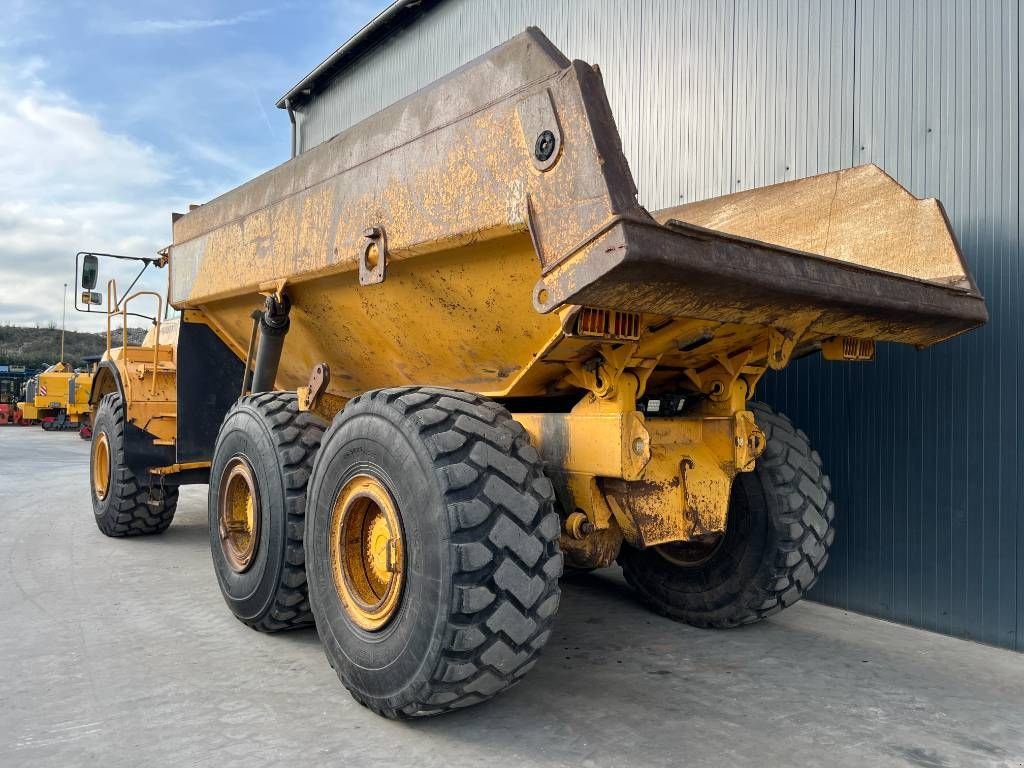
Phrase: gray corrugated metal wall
pixel 713 97
pixel 924 447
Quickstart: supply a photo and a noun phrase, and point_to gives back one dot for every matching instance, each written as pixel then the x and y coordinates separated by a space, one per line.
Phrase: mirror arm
pixel 146 263
pixel 128 290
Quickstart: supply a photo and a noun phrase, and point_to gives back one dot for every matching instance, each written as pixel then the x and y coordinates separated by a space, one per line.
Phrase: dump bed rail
pixel 682 270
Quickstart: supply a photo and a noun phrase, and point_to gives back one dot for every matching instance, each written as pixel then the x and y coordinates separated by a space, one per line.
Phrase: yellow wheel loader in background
pixel 427 363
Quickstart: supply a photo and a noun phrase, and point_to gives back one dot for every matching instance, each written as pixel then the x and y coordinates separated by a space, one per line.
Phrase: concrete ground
pixel 122 653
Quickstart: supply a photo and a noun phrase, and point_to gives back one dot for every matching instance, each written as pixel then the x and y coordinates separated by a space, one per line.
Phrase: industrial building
pixel 716 97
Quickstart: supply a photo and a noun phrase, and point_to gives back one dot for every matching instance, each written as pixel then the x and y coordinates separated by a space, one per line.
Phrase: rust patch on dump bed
pixel 858 215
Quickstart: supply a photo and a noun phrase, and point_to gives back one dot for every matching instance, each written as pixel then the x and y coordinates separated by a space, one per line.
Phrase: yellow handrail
pixel 124 329
pixel 111 307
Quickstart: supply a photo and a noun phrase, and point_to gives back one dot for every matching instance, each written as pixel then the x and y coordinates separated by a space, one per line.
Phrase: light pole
pixel 63 321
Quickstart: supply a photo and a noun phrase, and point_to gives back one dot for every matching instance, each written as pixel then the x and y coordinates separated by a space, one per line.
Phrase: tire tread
pixel 142 508
pixel 296 435
pixel 505 558
pixel 802 516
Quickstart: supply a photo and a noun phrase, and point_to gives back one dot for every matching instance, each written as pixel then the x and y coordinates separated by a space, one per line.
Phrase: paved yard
pixel 121 653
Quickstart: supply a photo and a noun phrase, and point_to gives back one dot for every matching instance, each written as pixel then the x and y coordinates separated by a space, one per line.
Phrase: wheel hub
pixel 690 554
pixel 101 465
pixel 367 552
pixel 238 515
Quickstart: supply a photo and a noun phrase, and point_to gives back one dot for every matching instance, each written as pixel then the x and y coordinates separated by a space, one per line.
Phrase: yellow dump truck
pixel 431 362
pixel 58 398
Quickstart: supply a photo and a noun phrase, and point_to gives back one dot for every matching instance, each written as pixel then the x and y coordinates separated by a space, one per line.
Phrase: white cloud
pixel 74 174
pixel 220 157
pixel 68 184
pixel 158 26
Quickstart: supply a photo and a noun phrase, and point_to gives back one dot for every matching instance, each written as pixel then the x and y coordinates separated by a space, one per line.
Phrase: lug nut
pixel 578 525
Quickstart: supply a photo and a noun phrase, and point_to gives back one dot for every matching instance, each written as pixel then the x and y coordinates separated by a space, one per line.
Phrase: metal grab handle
pixel 111 307
pixel 124 329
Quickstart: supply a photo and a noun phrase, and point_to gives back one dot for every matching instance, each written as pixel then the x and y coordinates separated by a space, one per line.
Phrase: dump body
pixel 476 229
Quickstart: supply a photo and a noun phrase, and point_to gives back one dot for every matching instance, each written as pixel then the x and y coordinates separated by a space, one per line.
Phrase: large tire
pixel 479 540
pixel 129 505
pixel 269 433
pixel 775 545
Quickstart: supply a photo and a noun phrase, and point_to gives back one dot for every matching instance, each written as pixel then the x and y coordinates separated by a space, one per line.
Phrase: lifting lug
pixel 319 378
pixel 373 263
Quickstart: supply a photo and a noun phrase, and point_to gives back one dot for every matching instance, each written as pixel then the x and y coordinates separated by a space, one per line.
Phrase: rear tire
pixel 775 546
pixel 274 442
pixel 477 550
pixel 123 504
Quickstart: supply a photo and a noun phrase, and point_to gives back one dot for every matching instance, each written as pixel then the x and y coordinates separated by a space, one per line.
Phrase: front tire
pixel 468 563
pixel 775 546
pixel 123 504
pixel 256 507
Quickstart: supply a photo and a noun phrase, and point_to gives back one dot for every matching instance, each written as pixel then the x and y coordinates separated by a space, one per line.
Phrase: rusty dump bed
pixel 484 233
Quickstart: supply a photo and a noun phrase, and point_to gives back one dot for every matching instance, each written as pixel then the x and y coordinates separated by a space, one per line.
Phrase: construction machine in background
pixel 57 398
pixel 428 363
pixel 27 413
pixel 12 382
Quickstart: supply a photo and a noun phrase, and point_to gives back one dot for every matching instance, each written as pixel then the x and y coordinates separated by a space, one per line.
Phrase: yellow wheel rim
pixel 367 552
pixel 238 515
pixel 101 465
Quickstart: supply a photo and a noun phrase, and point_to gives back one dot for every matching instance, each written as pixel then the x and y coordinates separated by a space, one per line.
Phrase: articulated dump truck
pixel 435 361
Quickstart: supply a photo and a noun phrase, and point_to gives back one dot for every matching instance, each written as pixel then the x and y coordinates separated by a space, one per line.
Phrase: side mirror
pixel 90 272
pixel 95 298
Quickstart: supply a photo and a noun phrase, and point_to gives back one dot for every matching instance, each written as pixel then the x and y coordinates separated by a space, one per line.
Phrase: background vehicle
pixel 424 364
pixel 57 398
pixel 12 384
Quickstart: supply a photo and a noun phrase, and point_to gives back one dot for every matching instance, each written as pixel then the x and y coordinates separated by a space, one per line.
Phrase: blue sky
pixel 114 114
